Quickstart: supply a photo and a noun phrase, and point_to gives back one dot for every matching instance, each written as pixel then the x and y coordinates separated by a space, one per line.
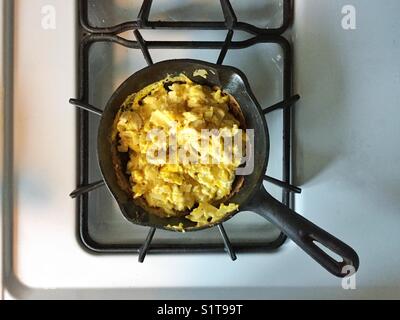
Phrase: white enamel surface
pixel 347 164
pixel 348 129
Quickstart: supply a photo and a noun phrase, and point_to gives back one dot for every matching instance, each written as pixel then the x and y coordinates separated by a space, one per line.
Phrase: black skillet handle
pixel 306 234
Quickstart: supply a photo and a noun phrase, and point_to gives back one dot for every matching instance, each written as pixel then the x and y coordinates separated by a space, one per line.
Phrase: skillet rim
pixel 248 91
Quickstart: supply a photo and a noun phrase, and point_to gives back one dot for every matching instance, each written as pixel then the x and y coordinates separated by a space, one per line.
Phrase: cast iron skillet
pixel 251 196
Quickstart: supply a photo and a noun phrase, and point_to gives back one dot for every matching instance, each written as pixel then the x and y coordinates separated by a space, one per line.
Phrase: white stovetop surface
pixel 347 164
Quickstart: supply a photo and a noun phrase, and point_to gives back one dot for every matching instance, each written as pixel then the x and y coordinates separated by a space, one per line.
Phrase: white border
pixel 2 89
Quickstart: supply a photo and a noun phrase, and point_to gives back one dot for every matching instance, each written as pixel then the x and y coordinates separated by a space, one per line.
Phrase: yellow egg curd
pixel 180 110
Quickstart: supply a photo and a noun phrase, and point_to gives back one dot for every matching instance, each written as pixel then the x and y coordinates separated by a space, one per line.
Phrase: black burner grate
pixel 88 35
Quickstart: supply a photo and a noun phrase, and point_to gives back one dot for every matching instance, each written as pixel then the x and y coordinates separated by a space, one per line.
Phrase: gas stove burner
pixel 91 35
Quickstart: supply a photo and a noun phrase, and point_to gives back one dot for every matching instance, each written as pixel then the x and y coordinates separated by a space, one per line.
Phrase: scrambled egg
pixel 206 213
pixel 201 73
pixel 180 109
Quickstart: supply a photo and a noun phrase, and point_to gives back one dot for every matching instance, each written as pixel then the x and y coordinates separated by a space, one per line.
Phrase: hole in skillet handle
pixel 329 252
pixel 307 235
pixel 334 255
